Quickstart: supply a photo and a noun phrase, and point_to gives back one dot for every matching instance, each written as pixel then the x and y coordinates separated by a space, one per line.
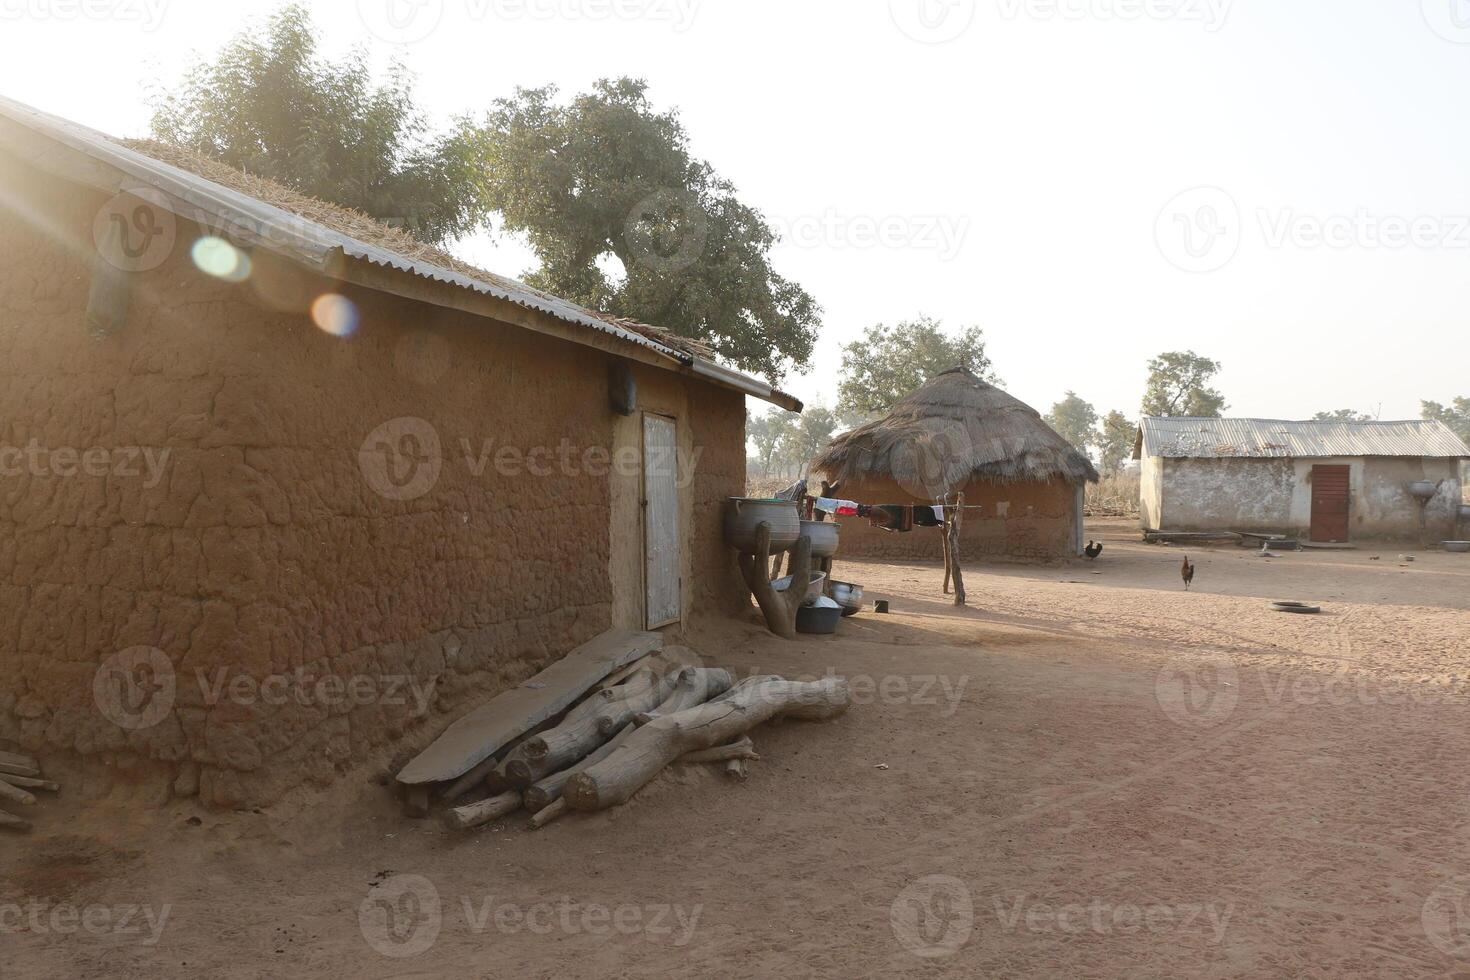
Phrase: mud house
pixel 1023 483
pixel 281 485
pixel 1323 481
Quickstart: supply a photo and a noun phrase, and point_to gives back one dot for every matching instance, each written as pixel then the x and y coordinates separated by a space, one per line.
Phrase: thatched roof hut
pixel 968 429
pixel 958 433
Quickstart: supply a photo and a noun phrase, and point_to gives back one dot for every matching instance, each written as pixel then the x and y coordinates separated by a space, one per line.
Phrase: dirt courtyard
pixel 1087 773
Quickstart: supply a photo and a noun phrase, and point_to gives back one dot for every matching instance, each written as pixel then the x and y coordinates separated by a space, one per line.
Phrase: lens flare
pixel 217 257
pixel 334 313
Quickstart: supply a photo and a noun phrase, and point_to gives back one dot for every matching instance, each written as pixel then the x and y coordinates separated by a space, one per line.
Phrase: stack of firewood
pixel 659 710
pixel 18 774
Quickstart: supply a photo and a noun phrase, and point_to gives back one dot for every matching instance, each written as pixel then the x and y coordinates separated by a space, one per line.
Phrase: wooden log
pixel 548 790
pixel 25 782
pixel 16 795
pixel 11 822
pixel 648 750
pixel 736 769
pixel 494 725
pixel 549 813
pixel 20 769
pixel 476 814
pixel 779 608
pixel 19 760
pixel 693 685
pixel 741 748
pixel 416 802
pixel 552 751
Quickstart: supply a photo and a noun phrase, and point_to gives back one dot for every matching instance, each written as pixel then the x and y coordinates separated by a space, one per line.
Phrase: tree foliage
pixel 1179 384
pixel 785 443
pixel 1116 437
pixel 1074 420
pixel 268 104
pixel 1342 415
pixel 606 176
pixel 1456 415
pixel 890 362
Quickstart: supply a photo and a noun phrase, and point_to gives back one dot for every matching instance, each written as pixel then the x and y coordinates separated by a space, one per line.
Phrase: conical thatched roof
pixel 954 429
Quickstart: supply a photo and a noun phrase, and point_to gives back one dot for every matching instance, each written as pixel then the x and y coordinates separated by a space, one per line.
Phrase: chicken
pixel 1187 573
pixel 1092 550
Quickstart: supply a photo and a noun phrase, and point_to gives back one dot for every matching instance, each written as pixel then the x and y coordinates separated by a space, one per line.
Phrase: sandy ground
pixel 1087 773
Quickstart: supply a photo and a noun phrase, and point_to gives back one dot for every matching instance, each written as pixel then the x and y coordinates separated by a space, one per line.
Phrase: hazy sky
pixel 1284 186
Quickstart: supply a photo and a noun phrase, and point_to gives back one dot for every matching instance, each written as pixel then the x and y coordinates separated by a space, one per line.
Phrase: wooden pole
pixel 954 547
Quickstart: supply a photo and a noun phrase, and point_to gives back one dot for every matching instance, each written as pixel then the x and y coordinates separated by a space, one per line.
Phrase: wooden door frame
pixel 643 416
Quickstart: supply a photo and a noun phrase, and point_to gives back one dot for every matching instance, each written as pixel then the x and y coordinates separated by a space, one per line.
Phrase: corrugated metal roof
pixel 1204 438
pixel 314 243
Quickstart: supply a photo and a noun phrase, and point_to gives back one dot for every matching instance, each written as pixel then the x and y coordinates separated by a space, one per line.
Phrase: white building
pixel 1322 481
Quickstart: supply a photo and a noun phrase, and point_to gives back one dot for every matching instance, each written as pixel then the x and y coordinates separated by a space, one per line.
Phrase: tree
pixel 1178 384
pixel 767 431
pixel 813 431
pixel 1342 415
pixel 1116 438
pixel 268 105
pixel 1456 415
pixel 889 362
pixel 1074 419
pixel 605 181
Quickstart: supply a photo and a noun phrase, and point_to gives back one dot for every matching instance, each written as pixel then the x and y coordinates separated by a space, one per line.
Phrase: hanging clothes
pixel 928 516
pixel 893 517
pixel 842 508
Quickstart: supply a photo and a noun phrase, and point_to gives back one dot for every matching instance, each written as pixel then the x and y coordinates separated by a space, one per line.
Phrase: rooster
pixel 1092 550
pixel 1187 573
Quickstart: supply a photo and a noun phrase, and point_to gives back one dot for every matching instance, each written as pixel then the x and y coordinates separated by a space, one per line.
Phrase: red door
pixel 1330 503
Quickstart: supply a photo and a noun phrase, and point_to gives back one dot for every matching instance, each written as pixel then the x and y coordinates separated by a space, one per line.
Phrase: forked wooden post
pixel 779 608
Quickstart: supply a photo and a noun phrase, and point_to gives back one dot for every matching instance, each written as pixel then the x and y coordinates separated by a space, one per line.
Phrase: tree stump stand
pixel 779 608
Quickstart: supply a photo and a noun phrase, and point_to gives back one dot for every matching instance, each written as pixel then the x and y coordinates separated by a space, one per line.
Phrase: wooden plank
pixel 489 728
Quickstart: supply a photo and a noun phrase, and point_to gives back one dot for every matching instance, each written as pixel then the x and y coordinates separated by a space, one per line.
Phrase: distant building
pixel 1322 481
pixel 1023 483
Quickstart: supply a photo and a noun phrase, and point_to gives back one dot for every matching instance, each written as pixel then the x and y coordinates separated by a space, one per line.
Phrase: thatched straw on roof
pixel 370 230
pixel 954 429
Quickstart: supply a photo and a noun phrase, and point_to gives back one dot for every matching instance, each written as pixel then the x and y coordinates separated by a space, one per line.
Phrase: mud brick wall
pixel 259 547
pixel 1016 522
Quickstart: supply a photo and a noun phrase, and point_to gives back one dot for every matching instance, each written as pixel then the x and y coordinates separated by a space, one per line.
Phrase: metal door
pixel 661 520
pixel 1330 503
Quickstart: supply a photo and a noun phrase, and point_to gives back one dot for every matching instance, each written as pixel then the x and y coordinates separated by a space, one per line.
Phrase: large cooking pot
pixel 744 514
pixel 823 535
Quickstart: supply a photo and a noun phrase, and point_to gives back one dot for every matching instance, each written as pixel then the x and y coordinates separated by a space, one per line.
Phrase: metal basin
pixel 824 537
pixel 1458 547
pixel 814 590
pixel 1465 512
pixel 744 514
pixel 848 596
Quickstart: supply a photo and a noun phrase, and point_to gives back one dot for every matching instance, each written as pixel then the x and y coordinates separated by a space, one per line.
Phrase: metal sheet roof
pixel 1202 438
pixel 192 197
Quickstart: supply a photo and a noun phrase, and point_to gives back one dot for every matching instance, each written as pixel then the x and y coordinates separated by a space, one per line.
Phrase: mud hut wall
pixel 1016 521
pixel 710 425
pixel 255 548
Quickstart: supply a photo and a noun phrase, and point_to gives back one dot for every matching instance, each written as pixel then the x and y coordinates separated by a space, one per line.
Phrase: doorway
pixel 1330 504
pixel 661 551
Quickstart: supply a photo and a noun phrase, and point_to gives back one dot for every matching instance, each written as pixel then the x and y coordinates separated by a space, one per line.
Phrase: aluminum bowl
pixel 813 591
pixel 848 596
pixel 823 535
